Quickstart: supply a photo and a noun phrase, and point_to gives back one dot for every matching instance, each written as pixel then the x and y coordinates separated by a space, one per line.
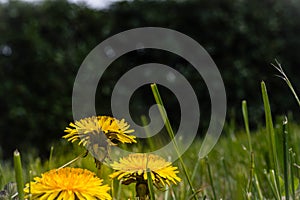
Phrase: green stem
pixel 19 174
pixel 50 158
pixel 285 158
pixel 170 132
pixel 249 188
pixel 150 185
pixel 292 161
pixel 257 186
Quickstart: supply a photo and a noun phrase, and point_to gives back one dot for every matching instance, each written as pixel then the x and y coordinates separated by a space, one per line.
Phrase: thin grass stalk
pixel 286 79
pixel 150 185
pixel 170 132
pixel 249 187
pixel 246 123
pixel 119 190
pixel 30 178
pixel 210 178
pixel 271 133
pixel 272 183
pixel 166 196
pixel 292 161
pixel 50 157
pixel 257 187
pixel 195 169
pixel 285 158
pixel 19 174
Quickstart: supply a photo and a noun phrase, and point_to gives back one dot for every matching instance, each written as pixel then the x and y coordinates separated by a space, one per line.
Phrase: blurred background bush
pixel 42 46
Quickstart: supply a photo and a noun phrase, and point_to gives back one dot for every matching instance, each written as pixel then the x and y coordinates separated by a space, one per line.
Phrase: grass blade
pixel 249 188
pixel 170 132
pixel 19 174
pixel 246 122
pixel 272 183
pixel 271 133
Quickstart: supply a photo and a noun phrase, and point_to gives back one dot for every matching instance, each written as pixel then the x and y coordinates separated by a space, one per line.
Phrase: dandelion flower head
pixel 87 129
pixel 133 168
pixel 68 183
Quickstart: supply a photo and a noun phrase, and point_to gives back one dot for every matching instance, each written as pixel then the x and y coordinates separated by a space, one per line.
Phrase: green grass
pixel 230 182
pixel 244 164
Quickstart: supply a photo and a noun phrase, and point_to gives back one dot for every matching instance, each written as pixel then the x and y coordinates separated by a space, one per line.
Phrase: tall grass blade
pixel 246 123
pixel 271 133
pixel 170 132
pixel 285 158
pixel 19 174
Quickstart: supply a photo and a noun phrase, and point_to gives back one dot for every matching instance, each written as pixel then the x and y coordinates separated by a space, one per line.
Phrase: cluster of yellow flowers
pixel 100 132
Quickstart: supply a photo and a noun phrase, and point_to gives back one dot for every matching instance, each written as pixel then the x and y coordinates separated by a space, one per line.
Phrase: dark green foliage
pixel 43 45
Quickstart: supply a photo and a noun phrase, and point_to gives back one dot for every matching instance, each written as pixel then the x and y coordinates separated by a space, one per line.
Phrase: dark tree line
pixel 42 46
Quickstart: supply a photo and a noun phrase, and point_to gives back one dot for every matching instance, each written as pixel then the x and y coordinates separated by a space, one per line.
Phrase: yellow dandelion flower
pixel 88 130
pixel 133 168
pixel 68 184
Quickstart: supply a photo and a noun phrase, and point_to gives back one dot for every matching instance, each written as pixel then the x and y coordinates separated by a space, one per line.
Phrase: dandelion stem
pixel 150 185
